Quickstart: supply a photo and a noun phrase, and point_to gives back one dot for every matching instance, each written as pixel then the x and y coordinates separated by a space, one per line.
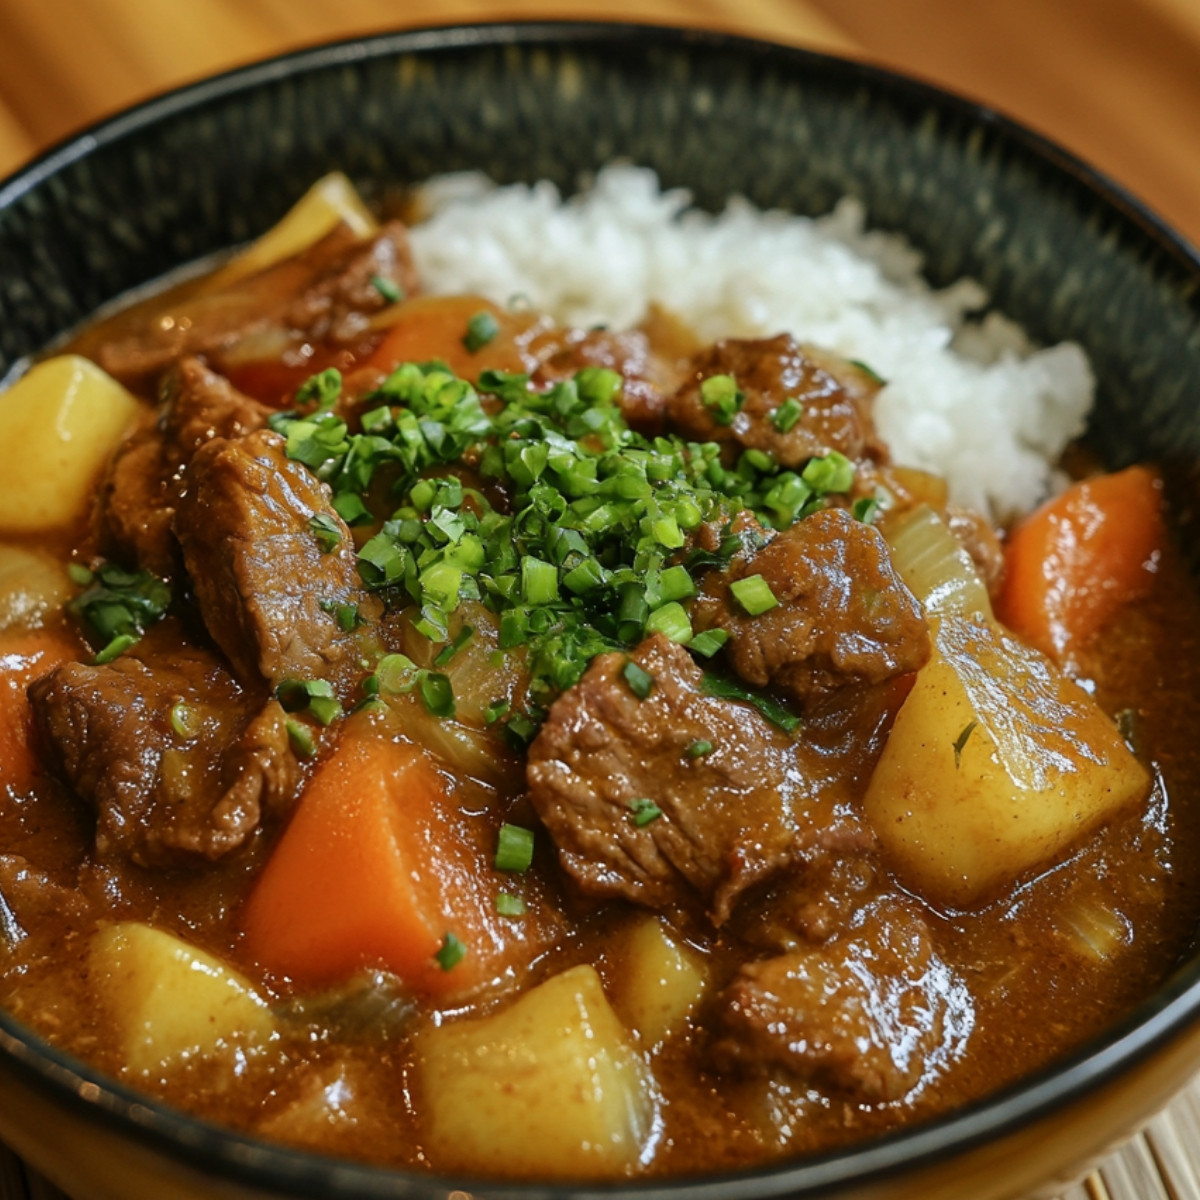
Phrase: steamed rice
pixel 967 396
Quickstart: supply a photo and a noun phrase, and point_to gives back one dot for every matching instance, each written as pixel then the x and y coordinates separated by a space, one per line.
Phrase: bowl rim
pixel 279 1170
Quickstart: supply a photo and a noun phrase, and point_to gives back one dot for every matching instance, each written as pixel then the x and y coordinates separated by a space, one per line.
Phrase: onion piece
pixel 934 564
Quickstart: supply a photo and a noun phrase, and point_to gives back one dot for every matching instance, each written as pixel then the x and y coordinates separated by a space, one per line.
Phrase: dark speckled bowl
pixel 1061 249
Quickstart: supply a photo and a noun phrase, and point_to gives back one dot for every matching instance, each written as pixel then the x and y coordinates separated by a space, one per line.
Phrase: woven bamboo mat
pixel 1160 1163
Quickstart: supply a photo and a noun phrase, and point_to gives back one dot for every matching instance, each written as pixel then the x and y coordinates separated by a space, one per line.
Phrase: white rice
pixel 967 396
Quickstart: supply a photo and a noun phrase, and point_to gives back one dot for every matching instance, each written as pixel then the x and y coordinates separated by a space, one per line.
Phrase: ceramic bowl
pixel 1060 249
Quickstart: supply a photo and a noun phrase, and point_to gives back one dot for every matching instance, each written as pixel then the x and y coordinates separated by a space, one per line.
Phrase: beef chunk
pixel 867 1015
pixel 324 294
pixel 136 502
pixel 843 615
pixel 729 818
pixel 644 358
pixel 164 794
pixel 266 589
pixel 837 399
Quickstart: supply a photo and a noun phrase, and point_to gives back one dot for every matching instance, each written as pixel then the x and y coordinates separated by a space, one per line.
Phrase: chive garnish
pixel 391 291
pixel 727 689
pixel 325 529
pixel 451 953
pixel 960 742
pixel 301 738
pixel 754 594
pixel 721 396
pixel 514 848
pixel 644 811
pixel 641 682
pixel 481 329
pixel 508 905
pixel 699 748
pixel 784 418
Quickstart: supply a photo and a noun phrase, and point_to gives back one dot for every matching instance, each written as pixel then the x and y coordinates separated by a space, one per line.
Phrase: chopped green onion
pixel 726 689
pixel 539 581
pixel 325 529
pixel 641 682
pixel 644 811
pixel 115 648
pixel 671 620
pixel 754 594
pixel 348 617
pixel 784 418
pixel 79 575
pixel 676 584
pixel 452 952
pixel 706 644
pixel 699 748
pixel 961 741
pixel 301 738
pixel 869 372
pixel 184 720
pixel 314 695
pixel 392 292
pixel 514 848
pixel 460 639
pixel 508 905
pixel 397 674
pixel 481 329
pixel 437 693
pixel 832 473
pixel 324 388
pixel 495 711
pixel 721 396
pixel 865 509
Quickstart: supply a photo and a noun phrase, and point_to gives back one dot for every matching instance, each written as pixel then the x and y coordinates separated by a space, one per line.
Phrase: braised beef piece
pixel 837 399
pixel 843 614
pixel 649 377
pixel 135 504
pixel 865 1015
pixel 177 760
pixel 729 817
pixel 267 590
pixel 31 897
pixel 324 295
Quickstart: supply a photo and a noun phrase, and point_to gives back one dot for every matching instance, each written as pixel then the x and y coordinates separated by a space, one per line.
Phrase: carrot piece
pixel 24 657
pixel 1080 557
pixel 376 867
pixel 430 327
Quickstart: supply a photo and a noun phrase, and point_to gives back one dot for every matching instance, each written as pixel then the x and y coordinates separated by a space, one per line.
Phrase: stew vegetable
pixel 436 736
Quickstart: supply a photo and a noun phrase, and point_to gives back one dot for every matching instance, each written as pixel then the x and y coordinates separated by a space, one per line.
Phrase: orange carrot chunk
pixel 379 868
pixel 469 334
pixel 1074 562
pixel 24 657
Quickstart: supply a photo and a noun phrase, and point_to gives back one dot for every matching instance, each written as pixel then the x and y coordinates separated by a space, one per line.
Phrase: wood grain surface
pixel 1115 81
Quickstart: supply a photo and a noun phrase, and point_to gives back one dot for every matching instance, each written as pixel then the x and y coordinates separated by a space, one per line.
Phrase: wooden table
pixel 1115 81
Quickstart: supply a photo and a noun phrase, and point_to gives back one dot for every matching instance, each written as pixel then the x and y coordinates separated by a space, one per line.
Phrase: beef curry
pixel 442 738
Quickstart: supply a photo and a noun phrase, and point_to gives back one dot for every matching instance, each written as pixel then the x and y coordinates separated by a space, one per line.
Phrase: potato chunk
pixel 331 201
pixel 658 982
pixel 32 584
pixel 172 1002
pixel 997 764
pixel 547 1087
pixel 66 416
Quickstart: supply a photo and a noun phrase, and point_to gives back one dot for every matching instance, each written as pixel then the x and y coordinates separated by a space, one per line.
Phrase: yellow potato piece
pixel 658 984
pixel 32 584
pixel 61 421
pixel 547 1087
pixel 997 764
pixel 170 1001
pixel 329 202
